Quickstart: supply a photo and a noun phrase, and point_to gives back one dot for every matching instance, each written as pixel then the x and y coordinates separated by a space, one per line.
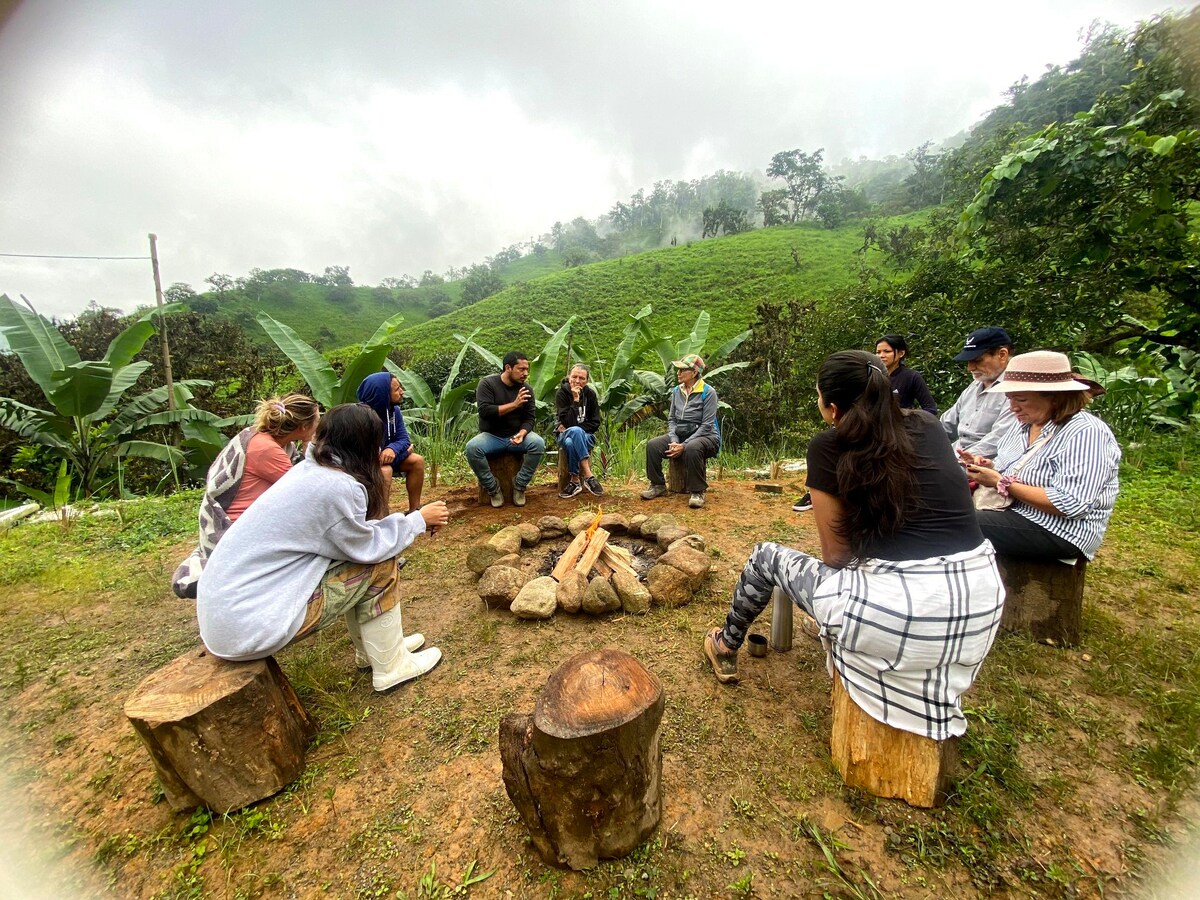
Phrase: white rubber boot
pixel 412 643
pixel 392 663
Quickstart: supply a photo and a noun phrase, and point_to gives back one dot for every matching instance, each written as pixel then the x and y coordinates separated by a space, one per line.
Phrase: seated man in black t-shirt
pixel 506 409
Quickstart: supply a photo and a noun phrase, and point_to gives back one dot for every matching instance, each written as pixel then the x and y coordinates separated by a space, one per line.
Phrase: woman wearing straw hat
pixel 1057 466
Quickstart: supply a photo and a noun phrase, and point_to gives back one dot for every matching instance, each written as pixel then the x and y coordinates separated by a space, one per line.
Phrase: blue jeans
pixel 483 445
pixel 578 444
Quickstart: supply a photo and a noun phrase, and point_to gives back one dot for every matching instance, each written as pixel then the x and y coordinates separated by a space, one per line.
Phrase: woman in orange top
pixel 278 422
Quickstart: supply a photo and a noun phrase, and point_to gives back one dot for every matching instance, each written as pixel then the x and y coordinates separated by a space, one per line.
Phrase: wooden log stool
pixel 221 734
pixel 676 475
pixel 1043 599
pixel 564 469
pixel 886 761
pixel 504 467
pixel 585 770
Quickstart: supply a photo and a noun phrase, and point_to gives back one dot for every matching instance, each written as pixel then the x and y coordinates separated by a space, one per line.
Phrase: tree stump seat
pixel 220 734
pixel 585 769
pixel 885 761
pixel 564 469
pixel 676 475
pixel 1043 599
pixel 504 467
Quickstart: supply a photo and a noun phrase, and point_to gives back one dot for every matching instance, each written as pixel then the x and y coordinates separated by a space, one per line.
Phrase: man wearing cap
pixel 692 432
pixel 978 420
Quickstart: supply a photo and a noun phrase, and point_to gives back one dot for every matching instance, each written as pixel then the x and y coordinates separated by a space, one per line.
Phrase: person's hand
pixel 575 392
pixel 524 395
pixel 674 450
pixel 518 437
pixel 435 514
pixel 985 475
pixel 561 429
pixel 387 455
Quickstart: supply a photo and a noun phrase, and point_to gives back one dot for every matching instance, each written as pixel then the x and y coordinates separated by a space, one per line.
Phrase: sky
pixel 403 136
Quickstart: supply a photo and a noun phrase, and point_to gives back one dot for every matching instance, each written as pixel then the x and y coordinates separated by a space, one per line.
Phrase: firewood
pixel 570 556
pixel 615 561
pixel 592 553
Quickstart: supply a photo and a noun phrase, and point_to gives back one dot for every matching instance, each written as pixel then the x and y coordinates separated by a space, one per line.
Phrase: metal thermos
pixel 781 620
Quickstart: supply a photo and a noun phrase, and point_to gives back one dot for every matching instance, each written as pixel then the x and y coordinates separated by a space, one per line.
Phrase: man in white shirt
pixel 977 420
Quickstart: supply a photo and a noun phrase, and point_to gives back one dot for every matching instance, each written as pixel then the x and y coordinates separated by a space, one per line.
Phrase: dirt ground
pixel 402 794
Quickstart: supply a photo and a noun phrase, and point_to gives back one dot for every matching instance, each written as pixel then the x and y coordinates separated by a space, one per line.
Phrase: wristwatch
pixel 1005 482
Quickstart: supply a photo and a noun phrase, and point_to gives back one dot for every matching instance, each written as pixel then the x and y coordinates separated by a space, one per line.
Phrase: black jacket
pixel 585 414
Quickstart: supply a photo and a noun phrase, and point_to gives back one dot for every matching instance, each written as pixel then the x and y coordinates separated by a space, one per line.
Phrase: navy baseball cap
pixel 981 340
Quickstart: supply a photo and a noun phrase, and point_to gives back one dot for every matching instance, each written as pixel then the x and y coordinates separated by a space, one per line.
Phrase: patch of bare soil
pixel 408 784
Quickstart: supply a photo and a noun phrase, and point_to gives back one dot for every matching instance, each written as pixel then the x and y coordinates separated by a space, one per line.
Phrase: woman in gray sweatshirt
pixel 316 547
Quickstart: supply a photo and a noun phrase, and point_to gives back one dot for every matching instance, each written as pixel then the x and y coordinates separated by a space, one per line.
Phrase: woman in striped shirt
pixel 1058 464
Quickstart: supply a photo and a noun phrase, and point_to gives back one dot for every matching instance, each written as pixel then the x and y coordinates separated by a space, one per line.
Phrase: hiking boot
pixel 655 490
pixel 593 486
pixel 518 496
pixel 724 664
pixel 804 504
pixel 573 489
pixel 696 501
pixel 497 498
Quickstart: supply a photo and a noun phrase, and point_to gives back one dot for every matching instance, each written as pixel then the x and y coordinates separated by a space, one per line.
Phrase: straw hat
pixel 1041 370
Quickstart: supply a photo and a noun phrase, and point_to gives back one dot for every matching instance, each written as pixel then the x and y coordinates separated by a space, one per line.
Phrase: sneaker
pixel 593 486
pixel 655 490
pixel 804 504
pixel 697 501
pixel 497 498
pixel 573 489
pixel 724 665
pixel 518 496
pixel 810 626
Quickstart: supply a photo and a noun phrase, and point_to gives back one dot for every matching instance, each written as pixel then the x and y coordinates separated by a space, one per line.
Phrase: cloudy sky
pixel 410 135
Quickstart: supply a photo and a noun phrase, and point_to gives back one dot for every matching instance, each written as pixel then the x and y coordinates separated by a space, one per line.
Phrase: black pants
pixel 1014 535
pixel 694 455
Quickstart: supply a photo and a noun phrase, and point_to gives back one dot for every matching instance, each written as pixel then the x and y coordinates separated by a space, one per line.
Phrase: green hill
pixel 728 277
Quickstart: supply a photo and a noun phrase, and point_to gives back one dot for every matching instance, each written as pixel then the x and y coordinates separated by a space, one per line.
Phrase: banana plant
pixel 442 418
pixel 89 424
pixel 327 388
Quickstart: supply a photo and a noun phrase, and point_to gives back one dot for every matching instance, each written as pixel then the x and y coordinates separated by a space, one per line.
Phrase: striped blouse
pixel 1078 467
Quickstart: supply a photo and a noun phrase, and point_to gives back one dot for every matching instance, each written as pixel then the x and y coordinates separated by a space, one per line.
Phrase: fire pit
pixel 610 564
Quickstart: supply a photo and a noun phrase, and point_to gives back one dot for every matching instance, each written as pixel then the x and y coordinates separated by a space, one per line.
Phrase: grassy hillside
pixel 728 277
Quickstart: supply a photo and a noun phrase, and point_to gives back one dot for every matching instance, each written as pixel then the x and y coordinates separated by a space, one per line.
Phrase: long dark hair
pixel 348 439
pixel 876 461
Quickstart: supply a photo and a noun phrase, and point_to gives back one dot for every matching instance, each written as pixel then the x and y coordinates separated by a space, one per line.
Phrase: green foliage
pixel 91 426
pixel 327 388
pixel 443 419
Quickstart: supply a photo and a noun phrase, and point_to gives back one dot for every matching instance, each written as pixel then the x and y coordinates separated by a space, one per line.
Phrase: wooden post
pixel 162 323
pixel 504 466
pixel 585 770
pixel 886 761
pixel 564 469
pixel 1043 599
pixel 220 734
pixel 676 475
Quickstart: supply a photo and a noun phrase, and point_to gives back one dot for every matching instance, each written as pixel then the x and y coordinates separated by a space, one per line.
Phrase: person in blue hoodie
pixel 384 393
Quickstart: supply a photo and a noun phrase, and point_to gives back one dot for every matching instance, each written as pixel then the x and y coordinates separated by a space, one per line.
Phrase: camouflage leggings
pixel 369 590
pixel 771 566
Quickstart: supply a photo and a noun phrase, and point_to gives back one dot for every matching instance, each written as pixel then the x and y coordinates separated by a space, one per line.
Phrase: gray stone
pixel 483 556
pixel 635 524
pixel 614 523
pixel 507 540
pixel 691 562
pixel 571 590
pixel 580 522
pixel 669 534
pixel 650 527
pixel 530 534
pixel 536 599
pixel 600 598
pixel 692 540
pixel 635 598
pixel 512 560
pixel 551 526
pixel 668 586
pixel 500 585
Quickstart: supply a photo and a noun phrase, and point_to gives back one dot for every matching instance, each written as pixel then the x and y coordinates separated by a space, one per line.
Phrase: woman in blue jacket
pixel 384 393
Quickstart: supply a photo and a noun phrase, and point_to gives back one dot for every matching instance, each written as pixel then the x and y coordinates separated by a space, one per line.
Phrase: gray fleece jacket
pixel 695 410
pixel 254 591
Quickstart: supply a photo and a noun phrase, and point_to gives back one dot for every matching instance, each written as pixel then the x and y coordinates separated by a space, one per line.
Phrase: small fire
pixel 595 523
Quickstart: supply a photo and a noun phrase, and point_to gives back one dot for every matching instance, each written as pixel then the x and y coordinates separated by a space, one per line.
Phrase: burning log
pixel 592 553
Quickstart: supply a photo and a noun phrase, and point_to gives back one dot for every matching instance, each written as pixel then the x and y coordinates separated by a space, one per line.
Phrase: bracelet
pixel 1005 482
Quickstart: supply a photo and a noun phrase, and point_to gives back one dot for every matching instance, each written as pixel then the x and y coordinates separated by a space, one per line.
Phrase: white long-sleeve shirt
pixel 254 592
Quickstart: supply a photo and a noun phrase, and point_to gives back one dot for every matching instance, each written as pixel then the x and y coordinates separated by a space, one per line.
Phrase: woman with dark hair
pixel 907 384
pixel 905 595
pixel 316 547
pixel 1057 468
